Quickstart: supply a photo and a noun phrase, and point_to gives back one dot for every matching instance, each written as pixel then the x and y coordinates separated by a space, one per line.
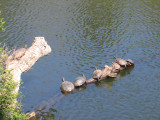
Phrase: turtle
pixel 19 53
pixel 79 81
pixel 121 62
pixel 115 67
pixel 107 70
pixel 97 74
pixel 129 62
pixel 66 86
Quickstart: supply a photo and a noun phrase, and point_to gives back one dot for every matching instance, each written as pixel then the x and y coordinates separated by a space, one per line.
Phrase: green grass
pixel 2 22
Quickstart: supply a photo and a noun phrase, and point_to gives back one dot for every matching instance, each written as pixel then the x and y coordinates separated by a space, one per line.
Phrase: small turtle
pixel 121 62
pixel 66 86
pixel 107 70
pixel 19 53
pixel 115 67
pixel 97 74
pixel 79 81
pixel 129 62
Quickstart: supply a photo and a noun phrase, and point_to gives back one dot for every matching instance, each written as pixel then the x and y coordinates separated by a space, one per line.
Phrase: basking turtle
pixel 79 81
pixel 66 86
pixel 19 53
pixel 97 74
pixel 129 62
pixel 115 67
pixel 121 62
pixel 107 70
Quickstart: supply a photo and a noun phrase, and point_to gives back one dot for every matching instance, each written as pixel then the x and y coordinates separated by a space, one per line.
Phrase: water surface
pixel 84 34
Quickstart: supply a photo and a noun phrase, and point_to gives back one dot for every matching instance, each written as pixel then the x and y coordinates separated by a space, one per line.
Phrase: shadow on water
pixel 44 109
pixel 50 115
pixel 109 82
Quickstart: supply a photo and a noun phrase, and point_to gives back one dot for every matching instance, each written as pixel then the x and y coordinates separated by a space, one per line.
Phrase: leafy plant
pixel 2 22
pixel 10 109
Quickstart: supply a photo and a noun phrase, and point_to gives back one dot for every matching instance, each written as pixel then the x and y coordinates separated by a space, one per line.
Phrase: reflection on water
pixel 46 105
pixel 109 82
pixel 125 72
pixel 85 34
pixel 50 115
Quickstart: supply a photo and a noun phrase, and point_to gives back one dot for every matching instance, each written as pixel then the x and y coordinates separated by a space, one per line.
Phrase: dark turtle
pixel 19 53
pixel 129 62
pixel 97 74
pixel 79 81
pixel 121 62
pixel 66 86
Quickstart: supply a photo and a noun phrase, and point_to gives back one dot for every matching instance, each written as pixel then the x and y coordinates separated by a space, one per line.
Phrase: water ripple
pixel 83 35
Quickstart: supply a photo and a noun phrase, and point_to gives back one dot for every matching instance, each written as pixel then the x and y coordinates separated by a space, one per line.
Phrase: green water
pixel 84 34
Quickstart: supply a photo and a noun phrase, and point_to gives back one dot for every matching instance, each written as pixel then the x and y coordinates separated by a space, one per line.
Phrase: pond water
pixel 84 34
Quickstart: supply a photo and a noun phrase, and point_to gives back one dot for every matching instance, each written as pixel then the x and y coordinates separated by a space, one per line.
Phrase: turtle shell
pixel 97 74
pixel 19 53
pixel 129 62
pixel 116 66
pixel 79 81
pixel 121 62
pixel 67 86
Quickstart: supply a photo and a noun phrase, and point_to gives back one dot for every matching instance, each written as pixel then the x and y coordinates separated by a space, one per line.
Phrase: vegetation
pixel 10 109
pixel 2 22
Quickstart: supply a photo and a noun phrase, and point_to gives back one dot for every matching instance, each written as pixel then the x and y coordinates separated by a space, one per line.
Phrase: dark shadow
pixel 40 115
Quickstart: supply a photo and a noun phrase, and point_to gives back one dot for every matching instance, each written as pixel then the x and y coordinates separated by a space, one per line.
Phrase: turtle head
pixel 114 57
pixel 63 79
pixel 83 76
